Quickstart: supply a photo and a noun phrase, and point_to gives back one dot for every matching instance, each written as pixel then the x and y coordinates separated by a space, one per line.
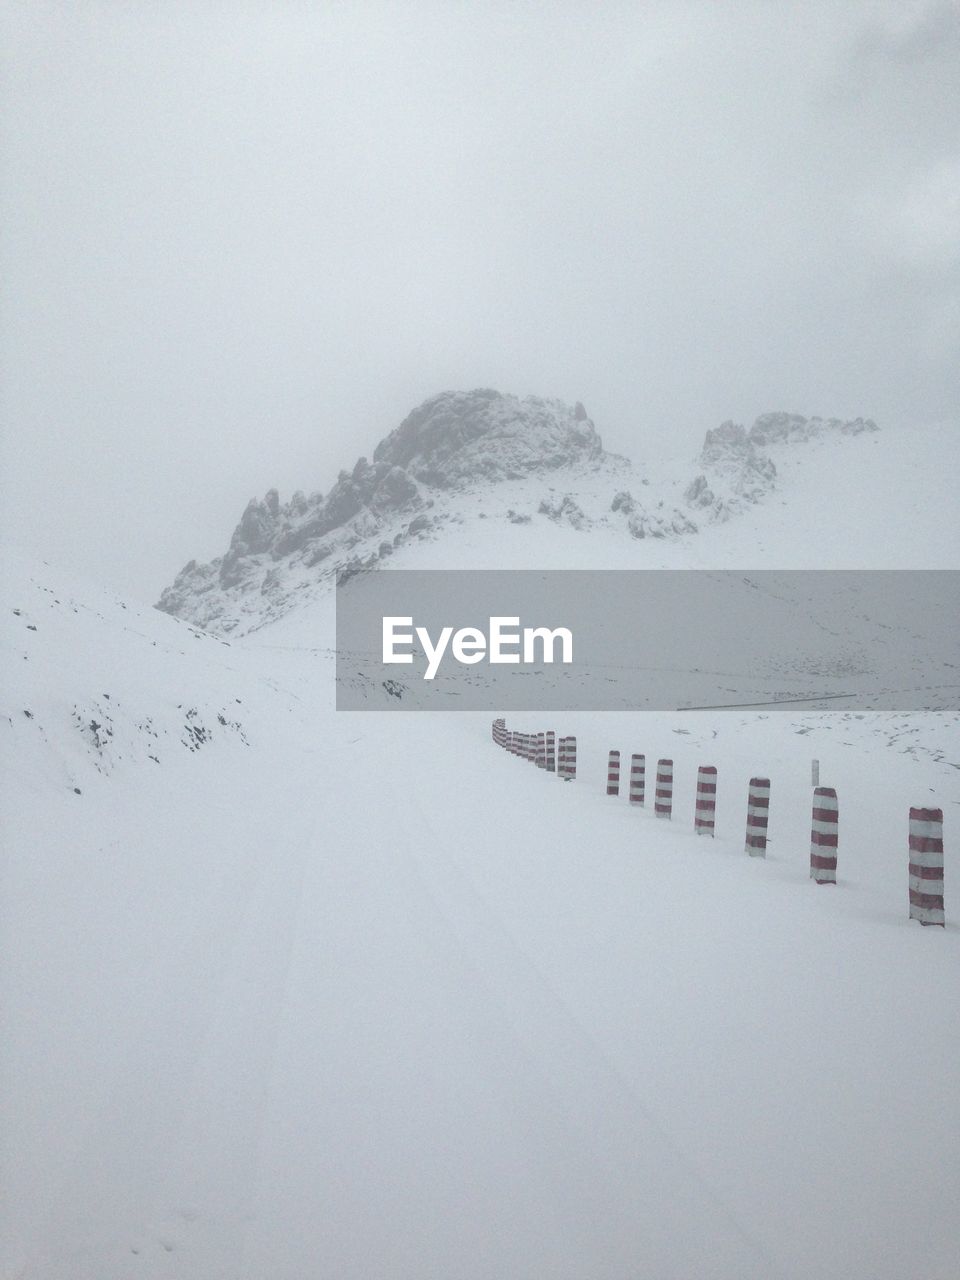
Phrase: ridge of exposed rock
pixel 451 441
pixel 736 470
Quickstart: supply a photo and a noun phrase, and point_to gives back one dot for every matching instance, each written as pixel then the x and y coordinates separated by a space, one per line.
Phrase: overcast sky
pixel 242 240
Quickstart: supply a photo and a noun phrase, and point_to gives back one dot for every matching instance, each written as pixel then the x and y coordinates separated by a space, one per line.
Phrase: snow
pixel 360 995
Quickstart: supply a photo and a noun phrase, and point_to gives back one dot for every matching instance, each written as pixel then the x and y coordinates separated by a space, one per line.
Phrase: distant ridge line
pixel 777 702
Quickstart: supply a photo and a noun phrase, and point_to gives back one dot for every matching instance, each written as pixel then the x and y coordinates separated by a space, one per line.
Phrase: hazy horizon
pixel 242 242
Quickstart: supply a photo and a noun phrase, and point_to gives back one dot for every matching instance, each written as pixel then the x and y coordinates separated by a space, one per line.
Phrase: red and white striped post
pixel 663 800
pixel 706 808
pixel 613 773
pixel 541 750
pixel 758 811
pixel 551 751
pixel 823 836
pixel 567 759
pixel 638 779
pixel 926 866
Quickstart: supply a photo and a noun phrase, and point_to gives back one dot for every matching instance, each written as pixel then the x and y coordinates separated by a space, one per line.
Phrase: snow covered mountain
pixel 453 442
pixel 462 457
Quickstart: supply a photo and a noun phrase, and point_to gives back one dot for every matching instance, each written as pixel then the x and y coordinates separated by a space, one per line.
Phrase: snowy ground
pixel 315 995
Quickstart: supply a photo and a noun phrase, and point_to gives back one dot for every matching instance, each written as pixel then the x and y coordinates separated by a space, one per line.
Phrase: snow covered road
pixel 419 1011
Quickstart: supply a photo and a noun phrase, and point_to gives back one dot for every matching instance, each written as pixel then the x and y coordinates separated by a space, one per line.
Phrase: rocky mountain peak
pixel 453 440
pixel 460 436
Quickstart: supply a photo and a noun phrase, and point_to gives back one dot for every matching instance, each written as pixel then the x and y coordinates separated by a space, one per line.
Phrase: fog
pixel 242 241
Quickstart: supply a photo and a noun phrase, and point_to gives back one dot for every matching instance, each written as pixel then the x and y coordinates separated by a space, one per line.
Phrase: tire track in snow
pixel 114 1191
pixel 204 1200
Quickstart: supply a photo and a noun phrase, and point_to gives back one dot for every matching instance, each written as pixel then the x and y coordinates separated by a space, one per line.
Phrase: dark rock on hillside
pixel 566 511
pixel 735 472
pixel 467 436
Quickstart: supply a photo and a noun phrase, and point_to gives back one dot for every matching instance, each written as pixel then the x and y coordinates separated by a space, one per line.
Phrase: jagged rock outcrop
pixel 566 511
pixel 451 441
pixel 483 435
pixel 662 522
pixel 373 499
pixel 735 472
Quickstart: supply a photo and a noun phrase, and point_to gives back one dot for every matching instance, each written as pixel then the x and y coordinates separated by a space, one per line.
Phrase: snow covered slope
pixel 291 994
